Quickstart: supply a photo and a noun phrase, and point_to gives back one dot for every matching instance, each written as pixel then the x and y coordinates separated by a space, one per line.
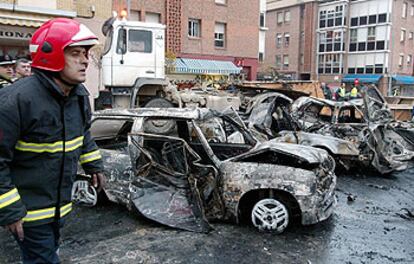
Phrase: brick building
pixel 20 18
pixel 374 43
pixel 290 40
pixel 215 30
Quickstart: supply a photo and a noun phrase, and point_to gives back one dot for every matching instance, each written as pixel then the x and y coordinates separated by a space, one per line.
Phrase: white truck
pixel 133 71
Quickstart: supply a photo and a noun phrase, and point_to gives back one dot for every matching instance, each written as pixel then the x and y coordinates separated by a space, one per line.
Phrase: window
pixel 221 2
pixel 280 17
pixel 219 35
pixel 278 61
pixel 382 18
pixel 402 35
pixel 412 10
pixel 354 22
pixel 401 61
pixel 140 41
pixel 279 40
pixel 287 39
pixel 362 20
pixel 371 33
pixel 262 20
pixel 152 17
pixel 379 68
pixel 287 16
pixel 285 61
pixel 404 10
pixel 371 45
pixel 409 59
pixel 372 19
pixel 410 36
pixel 381 45
pixel 302 59
pixel 194 28
pixel 351 70
pixel 261 56
pixel 354 35
pixel 121 45
pixel 369 69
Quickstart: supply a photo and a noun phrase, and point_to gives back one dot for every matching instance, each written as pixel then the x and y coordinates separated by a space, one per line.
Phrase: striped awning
pixel 22 19
pixel 199 66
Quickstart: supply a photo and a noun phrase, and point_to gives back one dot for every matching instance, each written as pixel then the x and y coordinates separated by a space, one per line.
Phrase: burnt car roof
pixel 304 100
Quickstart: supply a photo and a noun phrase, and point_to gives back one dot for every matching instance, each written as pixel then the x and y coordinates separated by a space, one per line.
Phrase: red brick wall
pixel 173 21
pixel 404 47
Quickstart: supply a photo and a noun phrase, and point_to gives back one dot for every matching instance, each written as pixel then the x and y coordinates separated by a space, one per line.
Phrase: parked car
pixel 183 167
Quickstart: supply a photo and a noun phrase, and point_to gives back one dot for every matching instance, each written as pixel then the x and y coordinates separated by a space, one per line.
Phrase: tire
pixel 270 215
pixel 159 126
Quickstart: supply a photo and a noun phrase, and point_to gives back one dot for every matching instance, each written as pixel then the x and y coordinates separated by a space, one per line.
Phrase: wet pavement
pixel 370 225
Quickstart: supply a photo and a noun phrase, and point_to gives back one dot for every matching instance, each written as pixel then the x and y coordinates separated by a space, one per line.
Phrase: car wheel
pixel 270 215
pixel 159 126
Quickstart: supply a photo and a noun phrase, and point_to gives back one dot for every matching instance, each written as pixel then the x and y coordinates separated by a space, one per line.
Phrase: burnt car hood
pixel 307 154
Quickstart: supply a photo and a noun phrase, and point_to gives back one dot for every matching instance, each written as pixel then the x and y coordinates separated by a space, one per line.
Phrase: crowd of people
pixel 12 70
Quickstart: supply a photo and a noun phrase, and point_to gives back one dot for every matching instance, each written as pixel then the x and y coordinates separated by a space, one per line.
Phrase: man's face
pixel 6 70
pixel 23 69
pixel 76 62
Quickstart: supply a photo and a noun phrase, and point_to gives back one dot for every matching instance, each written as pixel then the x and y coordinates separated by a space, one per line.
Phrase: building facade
pixel 371 40
pixel 215 30
pixel 19 19
pixel 290 39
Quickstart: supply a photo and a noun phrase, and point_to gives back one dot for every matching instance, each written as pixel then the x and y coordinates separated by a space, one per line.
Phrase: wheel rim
pixel 270 215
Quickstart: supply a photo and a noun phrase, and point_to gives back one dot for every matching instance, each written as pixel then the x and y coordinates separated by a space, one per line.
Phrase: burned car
pixel 268 113
pixel 183 167
pixel 366 122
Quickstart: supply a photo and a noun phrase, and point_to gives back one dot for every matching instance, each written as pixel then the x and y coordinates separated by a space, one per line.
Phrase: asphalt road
pixel 369 226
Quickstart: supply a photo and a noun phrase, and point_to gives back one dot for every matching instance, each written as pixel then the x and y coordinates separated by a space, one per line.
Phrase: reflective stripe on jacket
pixel 43 137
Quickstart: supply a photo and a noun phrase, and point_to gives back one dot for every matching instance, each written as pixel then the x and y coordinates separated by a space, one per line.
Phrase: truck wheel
pixel 159 126
pixel 270 215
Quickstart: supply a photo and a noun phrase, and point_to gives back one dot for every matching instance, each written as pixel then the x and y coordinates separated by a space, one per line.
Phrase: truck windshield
pixel 140 41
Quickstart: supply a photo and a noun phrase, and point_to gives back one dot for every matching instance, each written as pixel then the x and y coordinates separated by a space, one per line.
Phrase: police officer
pixel 6 70
pixel 44 133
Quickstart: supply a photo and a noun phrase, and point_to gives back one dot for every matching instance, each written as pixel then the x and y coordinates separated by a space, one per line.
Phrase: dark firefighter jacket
pixel 43 136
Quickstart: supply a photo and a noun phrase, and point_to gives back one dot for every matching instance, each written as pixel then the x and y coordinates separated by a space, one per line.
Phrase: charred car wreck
pixel 184 167
pixel 365 123
pixel 360 133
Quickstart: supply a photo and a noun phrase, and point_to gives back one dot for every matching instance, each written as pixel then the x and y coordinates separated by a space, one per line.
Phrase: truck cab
pixel 133 61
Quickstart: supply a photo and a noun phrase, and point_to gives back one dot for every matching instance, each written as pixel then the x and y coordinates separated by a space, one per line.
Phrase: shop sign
pixel 10 32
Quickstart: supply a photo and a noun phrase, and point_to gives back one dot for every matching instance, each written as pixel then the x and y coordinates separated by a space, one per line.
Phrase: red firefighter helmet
pixel 49 41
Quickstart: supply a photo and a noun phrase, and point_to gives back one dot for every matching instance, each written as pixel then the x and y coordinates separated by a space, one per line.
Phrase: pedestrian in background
pixel 44 133
pixel 6 70
pixel 22 68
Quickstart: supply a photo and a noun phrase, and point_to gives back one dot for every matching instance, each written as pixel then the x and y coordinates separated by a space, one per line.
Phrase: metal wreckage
pixel 184 167
pixel 360 133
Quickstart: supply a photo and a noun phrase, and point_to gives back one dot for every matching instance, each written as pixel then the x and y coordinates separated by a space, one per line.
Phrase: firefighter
pixel 6 70
pixel 44 133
